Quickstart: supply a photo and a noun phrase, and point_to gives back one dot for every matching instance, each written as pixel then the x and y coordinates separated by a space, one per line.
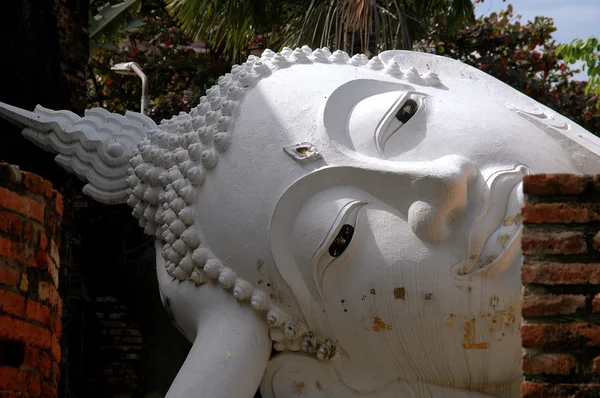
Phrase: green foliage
pixel 227 26
pixel 587 51
pixel 368 26
pixel 372 26
pixel 523 55
pixel 108 21
pixel 178 72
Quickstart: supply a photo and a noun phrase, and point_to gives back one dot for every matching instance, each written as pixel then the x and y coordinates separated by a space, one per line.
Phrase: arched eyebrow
pixel 343 99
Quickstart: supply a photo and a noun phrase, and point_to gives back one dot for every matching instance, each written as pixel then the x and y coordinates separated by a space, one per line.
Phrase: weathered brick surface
pixel 552 304
pixel 557 364
pixel 561 275
pixel 561 213
pixel 563 242
pixel 556 184
pixel 555 273
pixel 551 390
pixel 30 308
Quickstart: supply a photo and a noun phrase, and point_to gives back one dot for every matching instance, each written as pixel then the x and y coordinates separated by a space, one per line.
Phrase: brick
pixel 55 373
pixel 47 292
pixel 55 348
pixel 25 332
pixel 551 305
pixel 39 360
pixel 54 253
pixel 39 313
pixel 553 243
pixel 547 390
pixel 36 184
pixel 21 204
pixel 41 260
pixel 550 273
pixel 42 241
pixel 552 335
pixel 596 365
pixel 12 303
pixel 15 225
pixel 9 173
pixel 48 390
pixel 9 275
pixel 24 284
pixel 596 303
pixel 559 213
pixel 18 380
pixel 556 184
pixel 58 203
pixel 34 385
pixel 11 249
pixel 13 379
pixel 552 364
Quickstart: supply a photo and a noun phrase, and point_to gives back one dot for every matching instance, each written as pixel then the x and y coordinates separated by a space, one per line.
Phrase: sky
pixel 572 18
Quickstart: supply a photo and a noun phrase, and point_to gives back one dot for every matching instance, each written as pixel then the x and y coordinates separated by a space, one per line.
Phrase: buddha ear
pixel 97 147
pixel 494 235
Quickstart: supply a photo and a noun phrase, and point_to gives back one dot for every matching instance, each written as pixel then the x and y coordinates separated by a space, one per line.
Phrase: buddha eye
pixel 407 110
pixel 341 241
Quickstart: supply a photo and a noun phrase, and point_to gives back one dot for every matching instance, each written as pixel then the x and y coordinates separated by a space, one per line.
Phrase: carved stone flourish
pixel 361 214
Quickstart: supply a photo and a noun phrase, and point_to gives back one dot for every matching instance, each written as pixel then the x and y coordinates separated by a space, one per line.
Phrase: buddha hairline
pixel 172 162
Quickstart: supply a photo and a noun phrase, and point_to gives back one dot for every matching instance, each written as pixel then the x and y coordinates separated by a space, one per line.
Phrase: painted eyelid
pixel 347 215
pixel 382 132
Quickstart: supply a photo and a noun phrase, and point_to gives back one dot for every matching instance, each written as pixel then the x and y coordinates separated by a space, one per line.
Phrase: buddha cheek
pixel 391 300
pixel 379 296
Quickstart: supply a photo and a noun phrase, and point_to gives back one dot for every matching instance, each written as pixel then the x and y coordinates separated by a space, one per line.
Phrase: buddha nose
pixel 441 197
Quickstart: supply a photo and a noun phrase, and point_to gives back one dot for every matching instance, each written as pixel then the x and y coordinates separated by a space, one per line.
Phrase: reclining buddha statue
pixel 333 226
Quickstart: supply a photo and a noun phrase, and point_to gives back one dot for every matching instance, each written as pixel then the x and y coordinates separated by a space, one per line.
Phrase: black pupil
pixel 407 110
pixel 342 240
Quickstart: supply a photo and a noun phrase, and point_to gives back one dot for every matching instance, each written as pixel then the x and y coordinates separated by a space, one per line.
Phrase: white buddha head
pixel 369 209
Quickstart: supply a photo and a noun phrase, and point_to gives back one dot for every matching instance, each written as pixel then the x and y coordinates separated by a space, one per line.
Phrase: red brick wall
pixel 561 278
pixel 30 307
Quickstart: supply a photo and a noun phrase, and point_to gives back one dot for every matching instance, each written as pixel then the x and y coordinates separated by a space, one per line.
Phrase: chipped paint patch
pixel 379 325
pixel 514 220
pixel 318 385
pixel 494 301
pixel 502 240
pixel 428 296
pixel 470 337
pixel 507 316
pixel 487 260
pixel 372 291
pixel 299 387
pixel 400 293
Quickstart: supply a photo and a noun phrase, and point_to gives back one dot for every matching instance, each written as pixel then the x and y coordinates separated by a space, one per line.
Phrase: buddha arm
pixel 231 344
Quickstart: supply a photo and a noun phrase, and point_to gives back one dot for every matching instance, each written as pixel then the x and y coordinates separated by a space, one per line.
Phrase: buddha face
pixel 393 227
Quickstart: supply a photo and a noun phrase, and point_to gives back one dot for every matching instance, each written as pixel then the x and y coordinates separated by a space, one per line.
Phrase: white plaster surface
pixel 246 194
